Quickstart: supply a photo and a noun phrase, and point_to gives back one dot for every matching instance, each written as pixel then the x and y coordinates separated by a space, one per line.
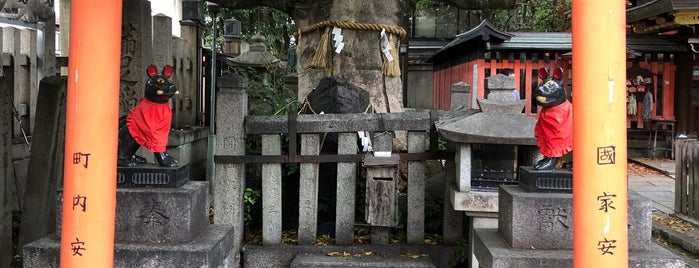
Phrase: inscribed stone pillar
pixel 46 162
pixel 189 74
pixel 5 209
pixel 64 17
pixel 460 95
pixel 162 41
pixel 136 50
pixel 18 42
pixel 229 180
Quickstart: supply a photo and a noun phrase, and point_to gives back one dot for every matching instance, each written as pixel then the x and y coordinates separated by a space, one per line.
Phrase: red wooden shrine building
pixel 485 51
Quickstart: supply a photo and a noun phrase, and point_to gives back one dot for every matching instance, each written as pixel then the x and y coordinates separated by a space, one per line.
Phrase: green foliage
pixel 274 24
pixel 527 16
pixel 535 16
pixel 460 253
pixel 267 92
pixel 250 198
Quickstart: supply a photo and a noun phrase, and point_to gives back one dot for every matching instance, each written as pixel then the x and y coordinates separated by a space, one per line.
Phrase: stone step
pixel 492 251
pixel 210 249
pixel 317 260
pixel 394 255
pixel 159 215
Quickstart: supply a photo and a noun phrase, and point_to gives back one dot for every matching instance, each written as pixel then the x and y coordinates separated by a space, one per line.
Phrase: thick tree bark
pixel 360 62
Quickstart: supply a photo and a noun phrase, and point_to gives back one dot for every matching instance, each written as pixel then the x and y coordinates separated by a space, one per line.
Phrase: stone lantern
pixel 263 65
pixel 231 37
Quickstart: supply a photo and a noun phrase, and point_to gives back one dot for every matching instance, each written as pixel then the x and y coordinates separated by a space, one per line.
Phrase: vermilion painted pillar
pixel 599 152
pixel 92 111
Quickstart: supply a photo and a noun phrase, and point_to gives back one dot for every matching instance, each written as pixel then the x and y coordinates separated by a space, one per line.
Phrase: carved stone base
pixel 158 215
pixel 149 175
pixel 545 181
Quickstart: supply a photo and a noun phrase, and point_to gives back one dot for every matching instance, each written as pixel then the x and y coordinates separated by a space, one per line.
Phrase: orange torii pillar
pixel 92 112
pixel 600 236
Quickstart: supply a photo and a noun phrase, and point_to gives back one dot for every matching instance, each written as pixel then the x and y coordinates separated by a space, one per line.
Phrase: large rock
pixel 334 95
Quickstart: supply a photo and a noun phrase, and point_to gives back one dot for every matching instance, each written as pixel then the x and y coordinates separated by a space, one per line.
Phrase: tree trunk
pixel 360 62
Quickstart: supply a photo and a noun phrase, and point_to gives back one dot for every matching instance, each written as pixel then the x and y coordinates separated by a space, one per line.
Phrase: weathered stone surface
pixel 492 128
pixel 500 122
pixel 46 161
pixel 136 44
pixel 210 249
pixel 500 82
pixel 282 256
pixel 161 215
pixel 545 220
pixel 460 95
pixel 359 260
pixel 5 137
pixel 162 40
pixel 478 202
pixel 508 106
pixel 229 179
pixel 257 56
pixel 492 251
pixel 187 75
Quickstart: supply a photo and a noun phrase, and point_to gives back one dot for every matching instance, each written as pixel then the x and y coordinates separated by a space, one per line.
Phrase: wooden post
pixel 89 195
pixel 600 236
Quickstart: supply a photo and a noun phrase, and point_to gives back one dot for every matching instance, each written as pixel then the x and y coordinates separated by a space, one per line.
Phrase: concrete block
pixel 159 215
pixel 545 220
pixel 210 249
pixel 493 251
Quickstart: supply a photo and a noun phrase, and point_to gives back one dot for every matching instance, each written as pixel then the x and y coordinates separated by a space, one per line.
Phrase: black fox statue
pixel 554 128
pixel 148 123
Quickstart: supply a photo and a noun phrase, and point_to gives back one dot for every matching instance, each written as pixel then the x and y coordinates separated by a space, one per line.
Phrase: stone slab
pixel 359 260
pixel 283 255
pixel 149 175
pixel 493 251
pixel 184 136
pixel 551 181
pixel 210 249
pixel 545 220
pixel 473 201
pixel 159 215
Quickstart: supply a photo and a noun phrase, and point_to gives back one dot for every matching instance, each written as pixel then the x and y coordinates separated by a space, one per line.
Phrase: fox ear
pixel 167 71
pixel 558 73
pixel 152 70
pixel 543 73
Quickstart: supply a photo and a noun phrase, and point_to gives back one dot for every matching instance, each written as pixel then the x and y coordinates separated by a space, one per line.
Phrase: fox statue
pixel 554 128
pixel 148 123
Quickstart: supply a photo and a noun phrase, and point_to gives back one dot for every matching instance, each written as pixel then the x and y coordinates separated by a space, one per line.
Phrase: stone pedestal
pixel 149 175
pixel 189 146
pixel 536 230
pixel 557 180
pixel 155 227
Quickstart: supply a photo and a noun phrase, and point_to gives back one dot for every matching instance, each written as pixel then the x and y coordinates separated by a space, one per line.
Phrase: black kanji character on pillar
pixel 80 201
pixel 77 246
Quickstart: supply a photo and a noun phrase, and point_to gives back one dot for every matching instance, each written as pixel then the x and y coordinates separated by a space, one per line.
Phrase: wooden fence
pixel 312 129
pixel 687 177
